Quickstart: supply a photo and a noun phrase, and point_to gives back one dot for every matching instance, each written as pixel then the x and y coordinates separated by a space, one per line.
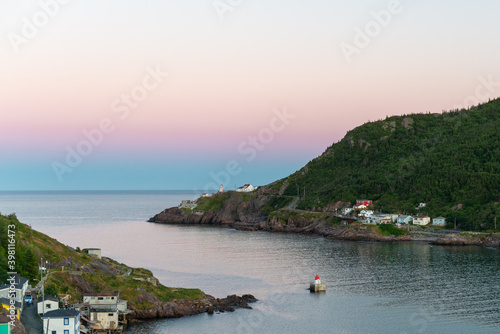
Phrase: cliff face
pixel 236 208
pixel 247 213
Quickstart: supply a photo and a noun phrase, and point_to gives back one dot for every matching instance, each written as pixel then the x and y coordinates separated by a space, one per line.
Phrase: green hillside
pixel 442 160
pixel 82 273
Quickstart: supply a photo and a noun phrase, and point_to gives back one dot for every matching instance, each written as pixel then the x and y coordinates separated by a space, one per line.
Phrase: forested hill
pixel 450 161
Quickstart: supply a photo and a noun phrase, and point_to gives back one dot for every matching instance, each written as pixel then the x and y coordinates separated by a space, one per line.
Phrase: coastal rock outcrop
pixel 247 214
pixel 182 308
pixel 468 239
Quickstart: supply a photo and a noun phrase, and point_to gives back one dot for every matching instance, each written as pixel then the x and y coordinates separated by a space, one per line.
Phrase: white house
pixel 439 221
pixel 247 188
pixel 346 211
pixel 105 308
pixel 421 220
pixel 403 219
pixel 61 322
pixel 15 290
pixel 366 213
pixel 94 252
pixel 50 303
pixel 104 300
pixel 362 206
pixel 104 319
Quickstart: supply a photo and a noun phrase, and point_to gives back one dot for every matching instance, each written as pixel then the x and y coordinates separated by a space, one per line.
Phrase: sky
pixel 164 95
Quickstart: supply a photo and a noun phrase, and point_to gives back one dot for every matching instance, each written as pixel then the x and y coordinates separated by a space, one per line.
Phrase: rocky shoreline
pixel 305 225
pixel 183 308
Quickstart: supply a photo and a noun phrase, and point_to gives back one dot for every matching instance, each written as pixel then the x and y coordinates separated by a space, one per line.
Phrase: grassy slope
pixel 53 251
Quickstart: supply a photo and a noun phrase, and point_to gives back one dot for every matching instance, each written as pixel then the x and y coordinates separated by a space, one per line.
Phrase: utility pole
pixel 304 191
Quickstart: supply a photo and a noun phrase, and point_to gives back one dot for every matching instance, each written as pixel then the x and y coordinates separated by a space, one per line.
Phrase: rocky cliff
pixel 468 239
pixel 253 212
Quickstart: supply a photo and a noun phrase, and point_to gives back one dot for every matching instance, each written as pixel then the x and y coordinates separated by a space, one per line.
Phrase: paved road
pixel 30 320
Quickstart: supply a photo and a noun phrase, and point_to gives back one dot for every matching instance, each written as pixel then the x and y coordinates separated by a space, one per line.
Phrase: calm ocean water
pixel 372 287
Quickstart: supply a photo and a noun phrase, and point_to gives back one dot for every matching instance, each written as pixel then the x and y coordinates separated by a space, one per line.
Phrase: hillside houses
pixel 421 220
pixel 439 221
pixel 13 293
pixel 362 210
pixel 104 312
pixel 49 303
pixel 404 220
pixel 247 188
pixel 61 321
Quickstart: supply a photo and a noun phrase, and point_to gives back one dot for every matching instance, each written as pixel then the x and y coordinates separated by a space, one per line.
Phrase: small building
pixel 102 300
pixel 206 195
pixel 188 204
pixel 12 306
pixel 365 202
pixel 359 207
pixel 247 188
pixel 61 322
pixel 403 219
pixel 346 211
pixel 104 311
pixel 4 324
pixel 93 252
pixel 366 213
pixel 102 320
pixel 421 220
pixel 15 290
pixel 378 218
pixel 50 303
pixel 439 221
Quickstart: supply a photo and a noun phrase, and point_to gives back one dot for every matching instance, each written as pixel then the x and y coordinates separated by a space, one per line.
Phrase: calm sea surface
pixel 372 287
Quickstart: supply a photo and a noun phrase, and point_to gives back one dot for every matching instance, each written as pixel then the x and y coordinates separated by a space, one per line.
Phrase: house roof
pixel 62 313
pixel 421 217
pixel 50 298
pixel 102 294
pixel 440 217
pixel 19 282
pixel 4 319
pixel 6 301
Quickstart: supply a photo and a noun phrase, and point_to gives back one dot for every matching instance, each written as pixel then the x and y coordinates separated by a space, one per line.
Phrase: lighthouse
pixel 221 189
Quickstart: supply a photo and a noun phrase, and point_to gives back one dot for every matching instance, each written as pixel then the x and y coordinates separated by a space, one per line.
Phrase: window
pixel 66 331
pixel 47 305
pixel 54 332
pixel 66 321
pixel 110 314
pixel 100 298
